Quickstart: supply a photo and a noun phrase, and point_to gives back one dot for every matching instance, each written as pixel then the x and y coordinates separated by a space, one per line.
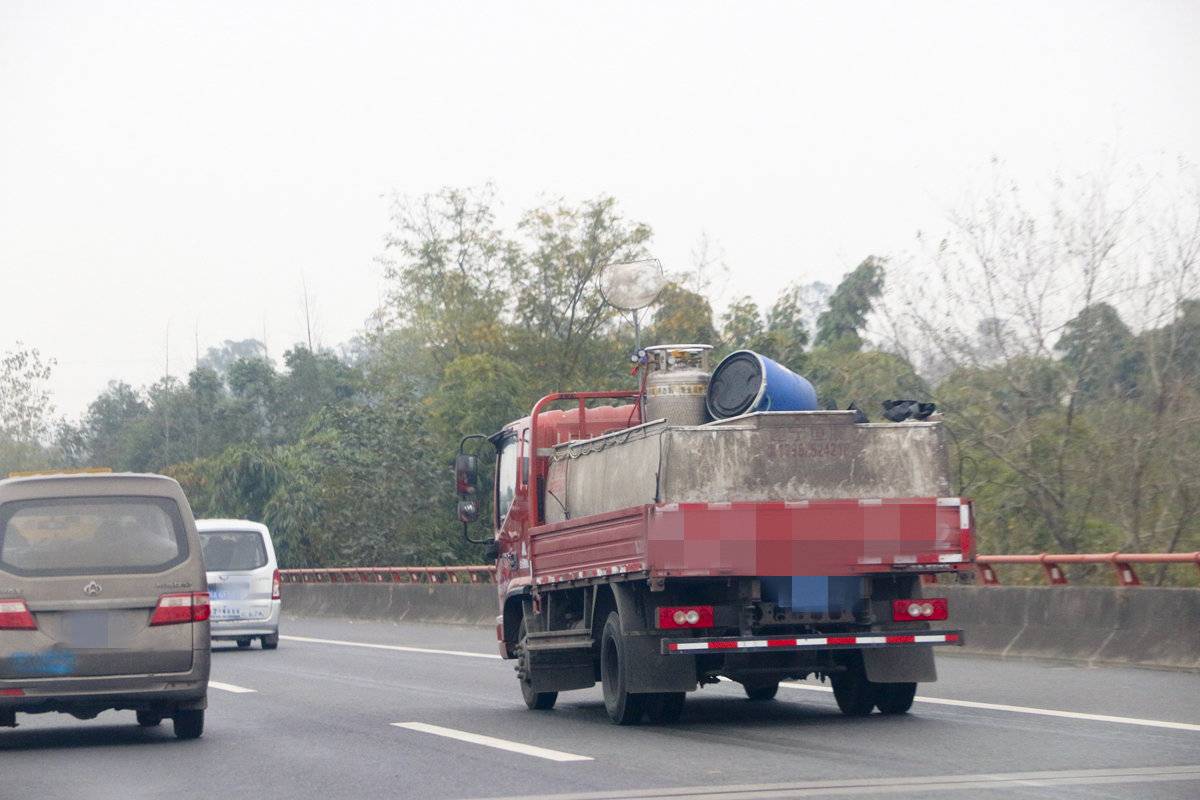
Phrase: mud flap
pixel 900 665
pixel 651 671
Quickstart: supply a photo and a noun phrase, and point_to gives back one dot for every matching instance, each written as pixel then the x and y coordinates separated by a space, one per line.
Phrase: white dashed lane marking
pixel 491 741
pixel 229 687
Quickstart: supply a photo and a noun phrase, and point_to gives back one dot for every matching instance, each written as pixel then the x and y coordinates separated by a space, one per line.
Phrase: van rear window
pixel 91 535
pixel 230 551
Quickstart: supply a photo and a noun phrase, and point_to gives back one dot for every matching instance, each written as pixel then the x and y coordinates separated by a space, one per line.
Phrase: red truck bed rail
pixel 828 537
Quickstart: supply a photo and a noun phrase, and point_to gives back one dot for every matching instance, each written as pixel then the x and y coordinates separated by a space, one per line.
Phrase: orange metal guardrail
pixel 1051 564
pixel 1122 563
pixel 451 574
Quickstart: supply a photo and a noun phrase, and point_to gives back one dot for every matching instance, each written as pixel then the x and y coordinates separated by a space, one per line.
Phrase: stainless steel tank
pixel 677 383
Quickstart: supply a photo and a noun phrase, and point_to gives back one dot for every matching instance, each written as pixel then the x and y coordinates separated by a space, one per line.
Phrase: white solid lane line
pixel 1044 712
pixel 229 687
pixel 395 647
pixel 491 741
pixel 874 787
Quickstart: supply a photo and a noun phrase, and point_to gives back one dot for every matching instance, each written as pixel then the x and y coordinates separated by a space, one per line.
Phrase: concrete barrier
pixel 459 603
pixel 1140 626
pixel 1136 626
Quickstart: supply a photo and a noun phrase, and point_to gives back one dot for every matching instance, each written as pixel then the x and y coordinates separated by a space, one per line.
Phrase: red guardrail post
pixel 1054 572
pixel 1125 573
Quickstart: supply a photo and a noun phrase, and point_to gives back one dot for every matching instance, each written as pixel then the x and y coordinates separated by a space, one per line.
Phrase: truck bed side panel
pixel 831 537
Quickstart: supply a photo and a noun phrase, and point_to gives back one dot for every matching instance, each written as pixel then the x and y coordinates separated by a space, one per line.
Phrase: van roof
pixel 111 484
pixel 203 525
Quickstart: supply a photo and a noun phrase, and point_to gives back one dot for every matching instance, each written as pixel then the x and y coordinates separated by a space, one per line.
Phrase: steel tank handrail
pixel 1051 564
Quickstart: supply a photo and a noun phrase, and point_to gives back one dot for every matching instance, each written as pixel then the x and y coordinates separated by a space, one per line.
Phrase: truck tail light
pixel 685 616
pixel 918 609
pixel 15 616
pixel 173 609
pixel 275 581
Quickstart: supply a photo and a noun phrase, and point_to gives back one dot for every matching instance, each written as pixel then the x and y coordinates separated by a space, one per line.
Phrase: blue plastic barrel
pixel 745 382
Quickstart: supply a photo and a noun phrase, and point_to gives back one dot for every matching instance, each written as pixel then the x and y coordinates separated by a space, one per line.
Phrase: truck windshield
pixel 506 479
pixel 233 550
pixel 91 535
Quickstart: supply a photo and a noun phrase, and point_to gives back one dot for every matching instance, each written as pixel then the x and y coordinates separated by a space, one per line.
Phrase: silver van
pixel 243 581
pixel 103 601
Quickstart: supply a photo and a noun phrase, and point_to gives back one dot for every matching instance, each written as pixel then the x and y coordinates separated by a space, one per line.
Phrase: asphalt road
pixel 323 720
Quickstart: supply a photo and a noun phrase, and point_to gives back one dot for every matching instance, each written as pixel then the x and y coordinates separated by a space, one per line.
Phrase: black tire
pixel 149 719
pixel 761 692
pixel 664 708
pixel 244 643
pixel 894 698
pixel 270 641
pixel 535 701
pixel 623 707
pixel 855 694
pixel 189 724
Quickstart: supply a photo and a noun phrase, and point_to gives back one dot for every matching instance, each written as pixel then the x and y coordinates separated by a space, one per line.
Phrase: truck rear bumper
pixel 861 641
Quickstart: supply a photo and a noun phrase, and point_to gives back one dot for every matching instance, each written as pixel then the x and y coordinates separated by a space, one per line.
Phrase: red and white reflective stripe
pixel 599 572
pixel 816 641
pixel 924 558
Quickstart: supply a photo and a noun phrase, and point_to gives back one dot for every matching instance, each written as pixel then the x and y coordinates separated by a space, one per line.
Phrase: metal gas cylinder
pixel 677 383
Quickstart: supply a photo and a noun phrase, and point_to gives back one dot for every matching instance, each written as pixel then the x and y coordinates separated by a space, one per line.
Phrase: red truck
pixel 656 558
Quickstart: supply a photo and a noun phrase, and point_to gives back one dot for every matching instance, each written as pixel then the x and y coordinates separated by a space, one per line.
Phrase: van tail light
pixel 685 616
pixel 15 616
pixel 173 609
pixel 919 610
pixel 275 581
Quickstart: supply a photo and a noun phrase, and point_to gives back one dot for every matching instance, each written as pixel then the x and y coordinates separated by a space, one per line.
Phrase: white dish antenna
pixel 632 286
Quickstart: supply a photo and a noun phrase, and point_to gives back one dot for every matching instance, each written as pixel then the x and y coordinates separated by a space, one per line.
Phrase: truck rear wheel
pixel 623 707
pixel 663 708
pixel 855 694
pixel 536 701
pixel 894 698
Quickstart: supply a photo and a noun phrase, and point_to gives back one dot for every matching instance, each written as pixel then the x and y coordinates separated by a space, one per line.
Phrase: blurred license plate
pixel 86 628
pixel 232 589
pixel 226 611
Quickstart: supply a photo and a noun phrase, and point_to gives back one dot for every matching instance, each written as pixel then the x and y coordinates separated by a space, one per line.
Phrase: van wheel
pixel 536 701
pixel 189 724
pixel 270 641
pixel 243 643
pixel 663 708
pixel 855 694
pixel 895 698
pixel 623 707
pixel 149 719
pixel 761 692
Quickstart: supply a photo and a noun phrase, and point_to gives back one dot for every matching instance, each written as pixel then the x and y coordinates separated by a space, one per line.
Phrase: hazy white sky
pixel 182 165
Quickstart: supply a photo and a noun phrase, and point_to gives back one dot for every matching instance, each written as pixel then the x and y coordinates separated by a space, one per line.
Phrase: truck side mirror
pixel 466 470
pixel 468 511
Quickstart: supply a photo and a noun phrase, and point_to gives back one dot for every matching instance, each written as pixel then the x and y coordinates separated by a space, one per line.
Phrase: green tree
pixel 682 316
pixel 843 322
pixel 561 318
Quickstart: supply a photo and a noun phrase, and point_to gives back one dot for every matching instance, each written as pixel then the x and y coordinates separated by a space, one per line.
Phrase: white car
pixel 243 581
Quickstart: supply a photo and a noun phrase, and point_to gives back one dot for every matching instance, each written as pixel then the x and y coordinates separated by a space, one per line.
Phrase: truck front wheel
pixel 623 707
pixel 536 701
pixel 761 692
